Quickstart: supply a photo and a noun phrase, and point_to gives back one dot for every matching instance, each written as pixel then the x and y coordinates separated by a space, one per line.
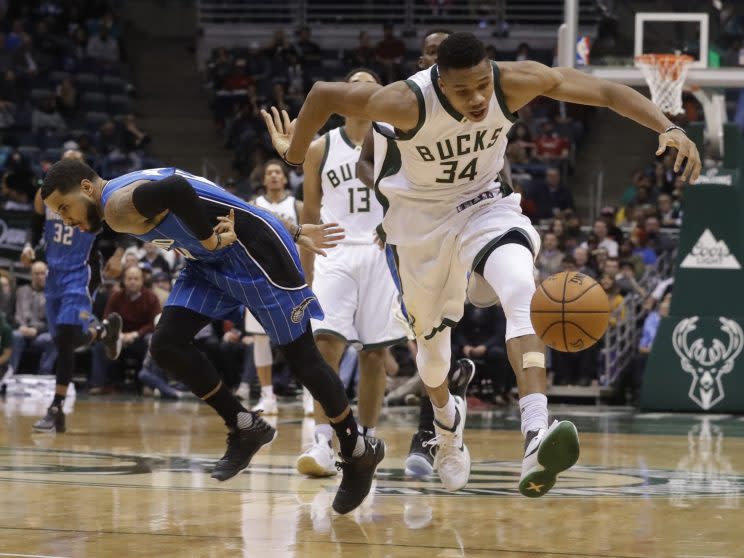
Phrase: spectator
pixel 67 98
pixel 103 48
pixel 520 148
pixel 568 263
pixel 222 66
pixel 134 138
pixel 257 66
pixel 601 230
pixel 639 180
pixel 238 78
pixel 31 323
pixel 558 228
pixel 80 45
pixel 523 52
pixel 107 139
pixel 652 233
pixel 626 255
pixel 24 62
pixel 9 90
pixel 137 307
pixel 550 259
pixel 551 196
pixel 364 54
pixel 668 212
pixel 307 50
pixel 390 53
pixel 154 257
pixel 581 260
pixel 549 146
pixel 643 248
pixel 617 312
pixel 45 117
pixel 278 49
pixel 6 347
pixel 480 337
pixel 7 295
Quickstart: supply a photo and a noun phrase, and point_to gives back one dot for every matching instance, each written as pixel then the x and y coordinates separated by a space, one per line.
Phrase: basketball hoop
pixel 665 75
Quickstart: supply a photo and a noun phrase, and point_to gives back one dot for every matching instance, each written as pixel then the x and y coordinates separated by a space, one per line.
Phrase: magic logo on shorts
pixel 299 310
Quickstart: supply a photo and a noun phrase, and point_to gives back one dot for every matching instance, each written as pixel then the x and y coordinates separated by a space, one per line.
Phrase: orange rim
pixel 668 65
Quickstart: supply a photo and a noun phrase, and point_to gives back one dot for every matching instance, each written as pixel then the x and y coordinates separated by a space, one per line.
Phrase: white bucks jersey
pixel 346 200
pixel 286 209
pixel 445 165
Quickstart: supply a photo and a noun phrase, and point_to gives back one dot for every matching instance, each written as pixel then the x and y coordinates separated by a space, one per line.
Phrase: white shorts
pixel 361 302
pixel 434 271
pixel 252 327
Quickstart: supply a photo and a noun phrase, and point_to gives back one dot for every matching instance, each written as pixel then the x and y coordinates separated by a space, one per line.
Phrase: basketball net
pixel 665 75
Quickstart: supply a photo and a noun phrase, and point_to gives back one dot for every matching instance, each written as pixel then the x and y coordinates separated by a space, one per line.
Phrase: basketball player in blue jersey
pixel 453 221
pixel 74 275
pixel 238 255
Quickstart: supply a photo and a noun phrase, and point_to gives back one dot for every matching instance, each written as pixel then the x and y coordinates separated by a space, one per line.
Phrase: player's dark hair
pixel 65 176
pixel 460 50
pixel 366 71
pixel 280 164
pixel 436 31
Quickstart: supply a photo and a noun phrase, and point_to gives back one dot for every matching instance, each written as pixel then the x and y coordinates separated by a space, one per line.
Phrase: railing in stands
pixel 406 13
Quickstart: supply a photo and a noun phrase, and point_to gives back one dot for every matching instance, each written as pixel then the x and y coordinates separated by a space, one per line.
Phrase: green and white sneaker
pixel 547 453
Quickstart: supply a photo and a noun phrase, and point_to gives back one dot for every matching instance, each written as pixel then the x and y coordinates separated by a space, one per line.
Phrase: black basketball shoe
pixel 53 421
pixel 420 460
pixel 242 444
pixel 460 377
pixel 357 473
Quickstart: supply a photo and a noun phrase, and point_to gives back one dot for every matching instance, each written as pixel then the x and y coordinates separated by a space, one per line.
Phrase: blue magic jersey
pixel 261 270
pixel 67 248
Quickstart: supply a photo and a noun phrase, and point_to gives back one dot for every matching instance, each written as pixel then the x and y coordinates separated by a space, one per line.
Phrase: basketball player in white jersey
pixel 447 213
pixel 285 206
pixel 354 284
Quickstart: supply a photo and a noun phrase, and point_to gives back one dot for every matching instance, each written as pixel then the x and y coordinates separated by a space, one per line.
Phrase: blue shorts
pixel 222 289
pixel 67 296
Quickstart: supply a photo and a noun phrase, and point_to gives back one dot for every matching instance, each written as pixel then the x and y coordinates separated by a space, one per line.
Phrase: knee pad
pixel 262 351
pixel 433 358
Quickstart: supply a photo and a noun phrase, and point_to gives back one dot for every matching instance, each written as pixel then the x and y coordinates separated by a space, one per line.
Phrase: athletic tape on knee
pixel 533 360
pixel 262 351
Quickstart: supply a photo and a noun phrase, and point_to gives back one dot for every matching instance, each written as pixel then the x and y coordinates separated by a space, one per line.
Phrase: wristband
pixel 297 233
pixel 674 127
pixel 219 241
pixel 291 164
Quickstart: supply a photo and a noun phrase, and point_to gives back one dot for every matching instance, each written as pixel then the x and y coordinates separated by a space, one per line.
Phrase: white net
pixel 665 75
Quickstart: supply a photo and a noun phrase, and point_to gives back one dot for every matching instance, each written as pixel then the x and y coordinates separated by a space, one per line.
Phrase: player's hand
pixel 686 150
pixel 27 256
pixel 281 129
pixel 318 238
pixel 226 229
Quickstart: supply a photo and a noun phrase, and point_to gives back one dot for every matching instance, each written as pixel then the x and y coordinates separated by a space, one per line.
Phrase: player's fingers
pixel 231 215
pixel 269 122
pixel 696 171
pixel 689 167
pixel 277 119
pixel 286 121
pixel 331 232
pixel 662 145
pixel 681 156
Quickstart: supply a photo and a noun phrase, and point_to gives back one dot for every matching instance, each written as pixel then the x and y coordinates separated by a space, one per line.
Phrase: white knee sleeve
pixel 262 351
pixel 510 271
pixel 433 358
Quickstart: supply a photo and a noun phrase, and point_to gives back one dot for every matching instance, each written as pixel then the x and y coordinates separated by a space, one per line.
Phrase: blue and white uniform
pixel 261 270
pixel 68 286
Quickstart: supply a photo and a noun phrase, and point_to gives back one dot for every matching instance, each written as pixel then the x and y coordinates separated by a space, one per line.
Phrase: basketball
pixel 570 311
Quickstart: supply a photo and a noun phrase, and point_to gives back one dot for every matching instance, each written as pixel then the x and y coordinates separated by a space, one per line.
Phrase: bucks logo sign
pixel 707 363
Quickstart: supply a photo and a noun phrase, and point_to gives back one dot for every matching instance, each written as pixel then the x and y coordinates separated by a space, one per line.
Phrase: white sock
pixel 534 409
pixel 325 431
pixel 244 386
pixel 365 430
pixel 446 415
pixel 267 392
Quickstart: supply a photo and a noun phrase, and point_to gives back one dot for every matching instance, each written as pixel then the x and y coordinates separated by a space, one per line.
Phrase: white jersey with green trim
pixel 426 177
pixel 285 209
pixel 346 200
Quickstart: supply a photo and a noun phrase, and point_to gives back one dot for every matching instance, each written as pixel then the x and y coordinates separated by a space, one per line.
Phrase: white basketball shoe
pixel 317 460
pixel 452 460
pixel 547 453
pixel 268 405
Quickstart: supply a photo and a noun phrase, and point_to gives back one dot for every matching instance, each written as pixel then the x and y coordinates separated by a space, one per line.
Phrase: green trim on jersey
pixel 390 166
pixel 513 116
pixel 326 148
pixel 342 133
pixel 421 111
pixel 442 99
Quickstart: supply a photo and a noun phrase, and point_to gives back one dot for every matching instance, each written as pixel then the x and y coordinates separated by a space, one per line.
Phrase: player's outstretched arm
pixel 28 255
pixel 395 104
pixel 523 81
pixel 365 167
pixel 312 194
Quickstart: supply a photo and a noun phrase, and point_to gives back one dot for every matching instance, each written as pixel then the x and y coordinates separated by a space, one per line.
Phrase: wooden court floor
pixel 130 478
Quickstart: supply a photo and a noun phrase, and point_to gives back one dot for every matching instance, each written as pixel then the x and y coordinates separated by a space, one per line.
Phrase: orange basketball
pixel 570 311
